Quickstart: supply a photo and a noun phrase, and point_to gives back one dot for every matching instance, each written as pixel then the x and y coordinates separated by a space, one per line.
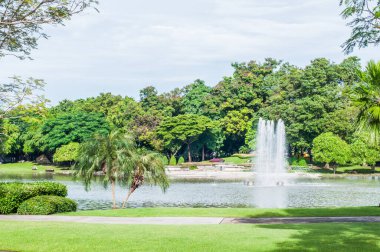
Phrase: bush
pixel 181 160
pixel 44 205
pixel 193 167
pixel 173 161
pixel 302 162
pixel 13 194
pixel 67 153
pixel 165 160
pixel 293 161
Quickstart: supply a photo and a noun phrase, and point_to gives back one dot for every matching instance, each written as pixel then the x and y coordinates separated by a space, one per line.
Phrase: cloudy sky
pixel 170 43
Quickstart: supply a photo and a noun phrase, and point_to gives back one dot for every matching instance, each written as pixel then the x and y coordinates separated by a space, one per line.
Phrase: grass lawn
pixel 231 212
pixel 24 168
pixel 237 160
pixel 34 236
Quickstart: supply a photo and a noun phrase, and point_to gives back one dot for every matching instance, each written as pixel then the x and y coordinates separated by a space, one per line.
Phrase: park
pixel 267 154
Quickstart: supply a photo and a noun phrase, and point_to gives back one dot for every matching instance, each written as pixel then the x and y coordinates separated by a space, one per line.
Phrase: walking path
pixel 184 220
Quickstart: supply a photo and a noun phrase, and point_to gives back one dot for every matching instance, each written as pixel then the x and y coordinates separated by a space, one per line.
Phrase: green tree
pixel 147 168
pixel 110 154
pixel 183 129
pixel 67 153
pixel 194 97
pixel 22 22
pixel 363 152
pixel 364 18
pixel 329 148
pixel 366 96
pixel 75 127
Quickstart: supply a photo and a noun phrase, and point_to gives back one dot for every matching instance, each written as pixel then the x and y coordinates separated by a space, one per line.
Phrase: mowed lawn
pixel 232 212
pixel 35 236
pixel 24 168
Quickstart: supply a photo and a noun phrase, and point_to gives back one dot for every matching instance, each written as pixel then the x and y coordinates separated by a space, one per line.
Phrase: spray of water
pixel 270 165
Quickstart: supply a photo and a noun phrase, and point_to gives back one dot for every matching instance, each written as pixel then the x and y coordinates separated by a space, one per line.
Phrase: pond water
pixel 302 192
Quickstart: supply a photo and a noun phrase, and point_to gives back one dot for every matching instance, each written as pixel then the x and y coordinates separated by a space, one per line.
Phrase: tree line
pixel 198 122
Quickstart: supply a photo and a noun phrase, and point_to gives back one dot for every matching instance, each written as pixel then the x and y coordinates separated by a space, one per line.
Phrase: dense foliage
pixel 329 148
pixel 45 205
pixel 13 194
pixel 364 19
pixel 201 122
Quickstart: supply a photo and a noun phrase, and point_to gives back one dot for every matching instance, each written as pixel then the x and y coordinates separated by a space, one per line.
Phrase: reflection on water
pixel 350 191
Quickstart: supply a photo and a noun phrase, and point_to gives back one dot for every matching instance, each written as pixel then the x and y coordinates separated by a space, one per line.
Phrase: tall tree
pixel 364 18
pixel 67 128
pixel 183 129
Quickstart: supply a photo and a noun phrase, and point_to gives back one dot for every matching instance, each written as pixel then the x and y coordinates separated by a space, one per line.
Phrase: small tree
pixel 181 160
pixel 363 153
pixel 173 160
pixel 67 153
pixel 165 160
pixel 329 148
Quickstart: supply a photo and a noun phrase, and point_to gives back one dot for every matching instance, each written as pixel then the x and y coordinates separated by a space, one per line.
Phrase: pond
pixel 303 192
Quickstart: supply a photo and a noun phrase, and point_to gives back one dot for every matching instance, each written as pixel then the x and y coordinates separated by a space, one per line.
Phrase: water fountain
pixel 270 166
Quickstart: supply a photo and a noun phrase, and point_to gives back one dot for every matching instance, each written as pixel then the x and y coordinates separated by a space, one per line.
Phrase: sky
pixel 129 44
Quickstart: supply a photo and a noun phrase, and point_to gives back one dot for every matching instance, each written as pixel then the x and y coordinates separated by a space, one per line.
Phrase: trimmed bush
pixel 45 205
pixel 173 161
pixel 165 160
pixel 181 160
pixel 13 194
pixel 302 162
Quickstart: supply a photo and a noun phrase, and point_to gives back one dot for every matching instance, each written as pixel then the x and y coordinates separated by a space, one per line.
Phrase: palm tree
pixel 148 167
pixel 366 96
pixel 110 154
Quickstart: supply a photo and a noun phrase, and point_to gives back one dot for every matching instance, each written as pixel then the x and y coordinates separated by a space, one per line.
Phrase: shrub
pixel 293 161
pixel 165 160
pixel 13 194
pixel 193 167
pixel 67 153
pixel 302 162
pixel 44 205
pixel 173 161
pixel 181 160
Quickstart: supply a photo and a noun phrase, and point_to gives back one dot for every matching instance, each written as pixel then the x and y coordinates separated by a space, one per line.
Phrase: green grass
pixel 40 236
pixel 24 168
pixel 237 160
pixel 231 212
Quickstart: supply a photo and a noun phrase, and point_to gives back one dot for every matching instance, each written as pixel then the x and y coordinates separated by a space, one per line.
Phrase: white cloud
pixel 169 43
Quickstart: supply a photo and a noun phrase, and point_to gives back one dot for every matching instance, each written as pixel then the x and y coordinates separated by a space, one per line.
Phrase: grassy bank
pixel 232 212
pixel 32 236
pixel 25 168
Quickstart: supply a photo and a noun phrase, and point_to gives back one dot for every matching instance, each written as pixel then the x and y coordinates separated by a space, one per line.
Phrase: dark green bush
pixel 13 194
pixel 44 205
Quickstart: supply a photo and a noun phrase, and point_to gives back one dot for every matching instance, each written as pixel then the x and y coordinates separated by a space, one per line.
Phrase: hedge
pixel 13 194
pixel 44 205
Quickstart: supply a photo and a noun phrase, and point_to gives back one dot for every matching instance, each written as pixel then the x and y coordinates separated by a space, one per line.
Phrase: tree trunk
pixel 189 152
pixel 334 168
pixel 373 168
pixel 113 194
pixel 310 156
pixel 128 195
pixel 203 153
